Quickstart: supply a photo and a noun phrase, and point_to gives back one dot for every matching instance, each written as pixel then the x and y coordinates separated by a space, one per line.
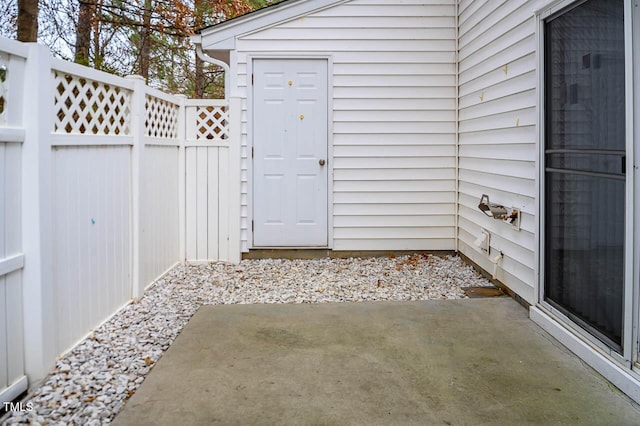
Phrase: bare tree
pixel 199 83
pixel 146 37
pixel 27 20
pixel 145 40
pixel 87 10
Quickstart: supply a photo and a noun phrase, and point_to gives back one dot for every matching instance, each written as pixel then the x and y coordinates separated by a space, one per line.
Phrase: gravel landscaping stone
pixel 91 383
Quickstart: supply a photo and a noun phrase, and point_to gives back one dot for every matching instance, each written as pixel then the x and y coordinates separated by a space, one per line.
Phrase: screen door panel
pixel 585 166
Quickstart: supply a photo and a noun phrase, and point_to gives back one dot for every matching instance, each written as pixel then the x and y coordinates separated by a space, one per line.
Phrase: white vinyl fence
pixel 12 376
pixel 209 171
pixel 101 178
pixel 91 199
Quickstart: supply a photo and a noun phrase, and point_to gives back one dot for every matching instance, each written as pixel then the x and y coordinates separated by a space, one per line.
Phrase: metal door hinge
pixel 251 152
pixel 251 226
pixel 252 79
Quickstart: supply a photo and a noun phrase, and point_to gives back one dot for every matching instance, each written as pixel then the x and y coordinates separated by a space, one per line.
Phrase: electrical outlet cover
pixel 516 222
pixel 486 241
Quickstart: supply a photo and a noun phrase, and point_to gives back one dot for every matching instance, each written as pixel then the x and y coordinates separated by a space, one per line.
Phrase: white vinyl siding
pixel 393 106
pixel 497 133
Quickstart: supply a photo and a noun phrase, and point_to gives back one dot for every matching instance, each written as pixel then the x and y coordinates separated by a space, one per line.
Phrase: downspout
pixel 457 135
pixel 197 40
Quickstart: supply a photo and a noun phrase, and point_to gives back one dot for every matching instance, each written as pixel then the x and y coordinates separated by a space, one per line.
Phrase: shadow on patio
pixel 479 361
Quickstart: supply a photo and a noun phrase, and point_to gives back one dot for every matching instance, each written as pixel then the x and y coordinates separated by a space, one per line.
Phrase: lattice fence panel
pixel 88 106
pixel 212 122
pixel 162 118
pixel 4 69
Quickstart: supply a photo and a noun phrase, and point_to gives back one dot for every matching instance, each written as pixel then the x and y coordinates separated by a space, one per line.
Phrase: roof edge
pixel 222 35
pixel 247 15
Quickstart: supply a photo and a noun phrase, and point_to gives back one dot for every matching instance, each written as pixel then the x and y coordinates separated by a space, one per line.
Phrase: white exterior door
pixel 290 153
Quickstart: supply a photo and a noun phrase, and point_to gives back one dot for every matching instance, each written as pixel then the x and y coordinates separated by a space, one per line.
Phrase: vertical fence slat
pixel 84 182
pixel 122 216
pixel 147 222
pixel 4 354
pixel 3 190
pixel 190 199
pixel 223 195
pixel 99 292
pixel 12 167
pixel 201 202
pixel 13 281
pixel 182 220
pixel 15 339
pixel 212 203
pixel 62 196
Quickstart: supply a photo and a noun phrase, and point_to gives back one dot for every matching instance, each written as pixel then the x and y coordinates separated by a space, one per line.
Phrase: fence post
pixel 138 119
pixel 39 305
pixel 235 161
pixel 182 136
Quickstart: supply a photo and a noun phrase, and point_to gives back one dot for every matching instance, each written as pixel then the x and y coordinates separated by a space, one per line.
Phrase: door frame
pixel 630 302
pixel 633 110
pixel 251 140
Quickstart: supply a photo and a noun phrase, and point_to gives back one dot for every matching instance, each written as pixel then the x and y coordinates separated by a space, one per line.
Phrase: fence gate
pixel 207 160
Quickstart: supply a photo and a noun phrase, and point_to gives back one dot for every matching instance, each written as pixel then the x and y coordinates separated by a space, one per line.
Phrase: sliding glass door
pixel 584 74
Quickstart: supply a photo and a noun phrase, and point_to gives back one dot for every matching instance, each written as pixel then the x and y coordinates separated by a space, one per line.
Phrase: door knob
pixel 321 162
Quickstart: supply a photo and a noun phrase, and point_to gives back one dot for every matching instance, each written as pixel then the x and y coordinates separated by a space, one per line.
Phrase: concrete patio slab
pixel 462 362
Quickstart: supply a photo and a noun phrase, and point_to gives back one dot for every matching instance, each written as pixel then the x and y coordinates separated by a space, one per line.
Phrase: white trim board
pixel 315 232
pixel 630 286
pixel 12 134
pixel 14 390
pixel 629 336
pixel 11 263
pixel 250 135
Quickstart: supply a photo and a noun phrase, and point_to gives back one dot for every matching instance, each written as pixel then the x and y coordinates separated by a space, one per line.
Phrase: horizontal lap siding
pixel 393 118
pixel 497 133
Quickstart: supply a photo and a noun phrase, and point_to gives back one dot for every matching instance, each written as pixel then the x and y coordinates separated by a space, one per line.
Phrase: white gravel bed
pixel 91 383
